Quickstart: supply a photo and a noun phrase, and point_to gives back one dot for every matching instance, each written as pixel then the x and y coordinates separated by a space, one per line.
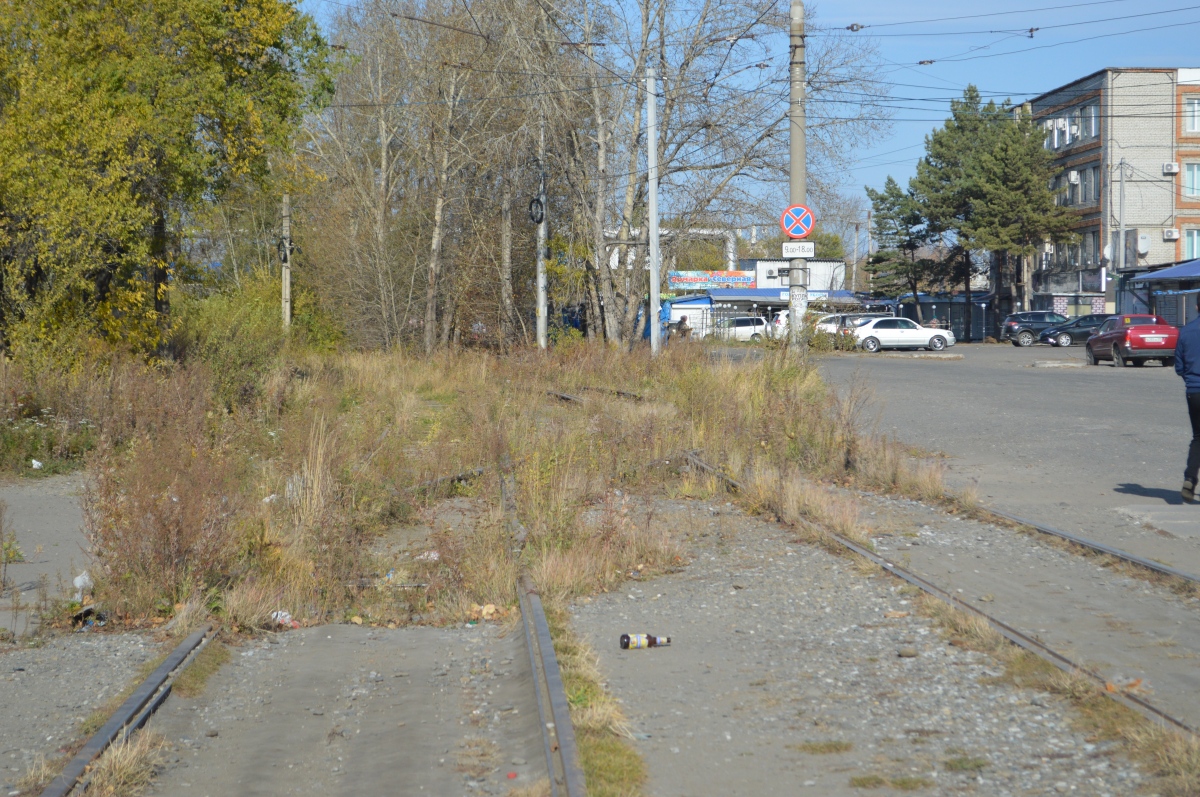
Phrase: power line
pixel 857 27
pixel 955 59
pixel 1037 29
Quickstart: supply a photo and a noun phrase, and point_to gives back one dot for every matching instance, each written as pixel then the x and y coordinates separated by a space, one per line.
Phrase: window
pixel 1191 244
pixel 1047 128
pixel 1191 115
pixel 904 323
pixel 1191 179
pixel 1087 247
pixel 887 324
pixel 1056 132
pixel 1093 121
pixel 1085 191
pixel 1073 191
pixel 1097 252
pixel 1096 183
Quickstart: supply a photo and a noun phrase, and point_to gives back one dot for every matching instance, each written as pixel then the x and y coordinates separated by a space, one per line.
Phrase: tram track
pixel 557 741
pixel 1128 699
pixel 130 716
pixel 1022 640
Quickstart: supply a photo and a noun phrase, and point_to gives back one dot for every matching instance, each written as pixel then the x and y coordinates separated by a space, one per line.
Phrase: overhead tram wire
pixel 990 14
pixel 956 59
pixel 1038 28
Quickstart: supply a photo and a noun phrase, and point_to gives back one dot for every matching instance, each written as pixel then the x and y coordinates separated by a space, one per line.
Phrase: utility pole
pixel 542 309
pixel 798 176
pixel 285 258
pixel 652 209
pixel 1121 218
pixel 854 270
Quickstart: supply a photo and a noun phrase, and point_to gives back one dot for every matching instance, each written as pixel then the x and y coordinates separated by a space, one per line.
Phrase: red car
pixel 1133 339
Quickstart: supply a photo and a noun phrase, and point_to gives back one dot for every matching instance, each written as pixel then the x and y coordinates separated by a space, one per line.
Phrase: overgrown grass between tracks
pixel 241 505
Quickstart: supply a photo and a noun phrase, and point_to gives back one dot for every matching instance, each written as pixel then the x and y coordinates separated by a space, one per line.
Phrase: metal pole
pixel 542 309
pixel 285 258
pixel 1121 218
pixel 652 209
pixel 798 273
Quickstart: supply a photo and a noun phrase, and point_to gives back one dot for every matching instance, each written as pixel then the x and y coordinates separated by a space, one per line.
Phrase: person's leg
pixel 1193 460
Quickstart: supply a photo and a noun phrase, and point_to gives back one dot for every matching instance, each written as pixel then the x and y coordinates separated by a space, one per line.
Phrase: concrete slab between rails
pixel 1180 520
pixel 1058 364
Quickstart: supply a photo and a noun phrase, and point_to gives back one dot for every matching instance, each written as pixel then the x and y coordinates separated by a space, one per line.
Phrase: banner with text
pixel 680 281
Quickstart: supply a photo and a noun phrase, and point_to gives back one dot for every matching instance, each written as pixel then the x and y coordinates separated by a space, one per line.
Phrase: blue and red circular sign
pixel 797 221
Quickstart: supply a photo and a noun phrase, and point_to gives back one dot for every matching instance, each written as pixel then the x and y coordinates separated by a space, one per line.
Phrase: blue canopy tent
pixel 1171 291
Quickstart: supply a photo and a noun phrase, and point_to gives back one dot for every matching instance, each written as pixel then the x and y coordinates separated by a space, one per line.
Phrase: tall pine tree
pixel 945 184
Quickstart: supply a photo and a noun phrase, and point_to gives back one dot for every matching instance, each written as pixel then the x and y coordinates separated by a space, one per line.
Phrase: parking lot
pixel 1092 450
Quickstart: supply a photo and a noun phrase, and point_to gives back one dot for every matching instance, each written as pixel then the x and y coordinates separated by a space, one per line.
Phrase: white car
pixel 750 327
pixel 829 324
pixel 901 333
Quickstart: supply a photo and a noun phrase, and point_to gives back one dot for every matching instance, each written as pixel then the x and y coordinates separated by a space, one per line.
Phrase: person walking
pixel 1187 365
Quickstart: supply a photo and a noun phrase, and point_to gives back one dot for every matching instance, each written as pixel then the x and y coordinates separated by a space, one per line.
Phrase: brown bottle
pixel 635 641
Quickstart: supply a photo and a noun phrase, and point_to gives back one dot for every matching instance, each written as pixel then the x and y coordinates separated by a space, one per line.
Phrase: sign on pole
pixel 797 221
pixel 796 249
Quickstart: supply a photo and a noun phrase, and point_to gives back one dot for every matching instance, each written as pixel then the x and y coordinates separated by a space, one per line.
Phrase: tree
pixel 901 226
pixel 1013 209
pixel 119 119
pixel 945 184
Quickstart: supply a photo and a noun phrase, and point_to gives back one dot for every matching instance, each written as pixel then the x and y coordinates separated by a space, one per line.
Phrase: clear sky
pixel 996 54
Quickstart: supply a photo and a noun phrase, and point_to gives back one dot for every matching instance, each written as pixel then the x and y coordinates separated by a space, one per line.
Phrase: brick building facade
pixel 1146 124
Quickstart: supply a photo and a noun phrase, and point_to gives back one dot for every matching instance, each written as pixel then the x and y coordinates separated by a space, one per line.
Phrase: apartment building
pixel 1127 143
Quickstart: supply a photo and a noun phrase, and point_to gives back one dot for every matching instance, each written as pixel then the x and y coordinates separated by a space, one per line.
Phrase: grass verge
pixel 194 678
pixel 610 764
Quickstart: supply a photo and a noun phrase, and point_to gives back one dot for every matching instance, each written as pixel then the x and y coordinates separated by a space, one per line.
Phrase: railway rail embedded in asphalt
pixel 1132 701
pixel 131 715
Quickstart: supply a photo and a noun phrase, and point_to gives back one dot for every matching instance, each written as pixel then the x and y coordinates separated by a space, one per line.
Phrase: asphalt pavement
pixel 1094 450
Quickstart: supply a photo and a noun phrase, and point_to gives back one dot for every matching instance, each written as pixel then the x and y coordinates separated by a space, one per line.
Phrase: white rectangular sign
pixel 799 249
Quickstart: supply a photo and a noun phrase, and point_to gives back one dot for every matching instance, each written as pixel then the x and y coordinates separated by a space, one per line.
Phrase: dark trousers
pixel 1193 460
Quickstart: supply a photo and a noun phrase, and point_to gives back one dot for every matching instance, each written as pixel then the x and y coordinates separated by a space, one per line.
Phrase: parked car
pixel 1023 328
pixel 830 323
pixel 1073 333
pixel 1132 340
pixel 901 333
pixel 750 327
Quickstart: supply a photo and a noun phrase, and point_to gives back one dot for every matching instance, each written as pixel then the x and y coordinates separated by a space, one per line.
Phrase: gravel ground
pixel 45 692
pixel 776 645
pixel 356 711
pixel 1121 627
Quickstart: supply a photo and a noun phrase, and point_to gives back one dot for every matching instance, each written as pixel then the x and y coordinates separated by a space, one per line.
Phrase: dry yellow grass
pixel 127 767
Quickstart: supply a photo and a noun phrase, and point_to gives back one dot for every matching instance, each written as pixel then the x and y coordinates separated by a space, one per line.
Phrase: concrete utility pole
pixel 854 270
pixel 798 273
pixel 285 257
pixel 1121 219
pixel 652 209
pixel 542 308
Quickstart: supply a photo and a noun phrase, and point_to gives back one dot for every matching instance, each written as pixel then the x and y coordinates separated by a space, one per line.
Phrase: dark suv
pixel 1023 328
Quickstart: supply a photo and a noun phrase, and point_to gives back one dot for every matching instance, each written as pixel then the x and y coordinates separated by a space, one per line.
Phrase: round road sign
pixel 536 211
pixel 797 221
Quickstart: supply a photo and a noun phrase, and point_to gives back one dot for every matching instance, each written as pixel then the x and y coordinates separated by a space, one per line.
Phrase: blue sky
pixel 967 51
pixel 991 50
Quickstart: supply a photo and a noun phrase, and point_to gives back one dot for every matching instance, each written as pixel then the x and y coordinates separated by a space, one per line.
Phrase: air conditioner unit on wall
pixel 1170 168
pixel 1170 234
pixel 1073 177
